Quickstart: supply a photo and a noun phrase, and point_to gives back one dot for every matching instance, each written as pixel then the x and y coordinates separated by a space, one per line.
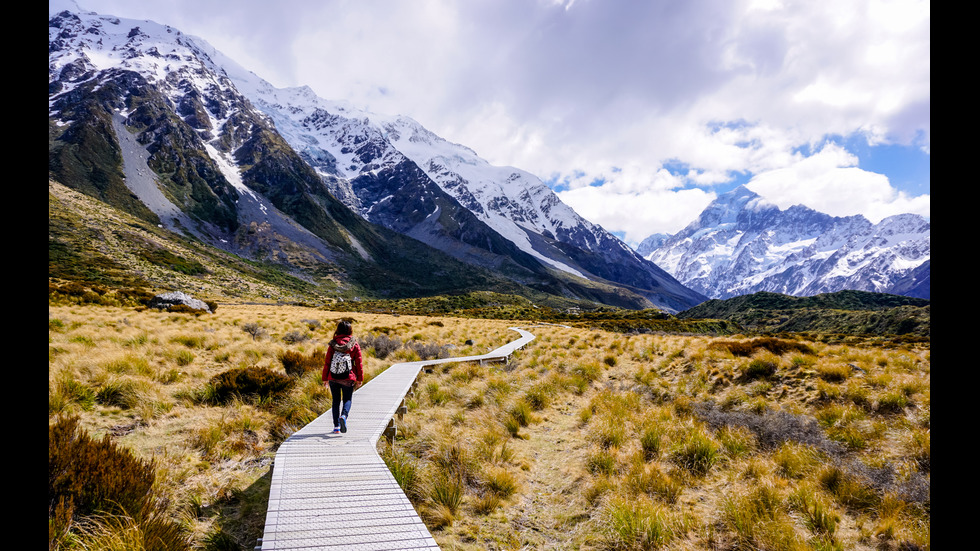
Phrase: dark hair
pixel 344 328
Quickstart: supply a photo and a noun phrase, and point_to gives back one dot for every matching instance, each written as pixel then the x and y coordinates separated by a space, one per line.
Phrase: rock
pixel 174 298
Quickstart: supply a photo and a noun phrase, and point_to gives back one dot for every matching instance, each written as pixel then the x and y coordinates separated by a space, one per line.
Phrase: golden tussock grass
pixel 584 440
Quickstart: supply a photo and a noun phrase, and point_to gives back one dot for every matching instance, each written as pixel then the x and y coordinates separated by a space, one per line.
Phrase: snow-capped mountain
pixel 741 244
pixel 396 173
pixel 164 125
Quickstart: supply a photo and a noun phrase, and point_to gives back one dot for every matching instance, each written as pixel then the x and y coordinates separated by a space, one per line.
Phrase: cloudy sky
pixel 637 112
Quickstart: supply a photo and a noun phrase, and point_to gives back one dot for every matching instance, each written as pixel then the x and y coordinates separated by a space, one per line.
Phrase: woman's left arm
pixel 358 365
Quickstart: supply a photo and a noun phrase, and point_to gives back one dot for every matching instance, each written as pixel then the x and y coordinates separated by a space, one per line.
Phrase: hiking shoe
pixel 343 424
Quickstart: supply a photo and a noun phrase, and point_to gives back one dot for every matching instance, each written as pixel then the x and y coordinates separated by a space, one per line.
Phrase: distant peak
pixel 741 190
pixel 739 198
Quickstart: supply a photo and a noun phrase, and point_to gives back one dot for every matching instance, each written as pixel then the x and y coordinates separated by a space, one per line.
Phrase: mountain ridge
pixel 148 119
pixel 742 244
pixel 355 147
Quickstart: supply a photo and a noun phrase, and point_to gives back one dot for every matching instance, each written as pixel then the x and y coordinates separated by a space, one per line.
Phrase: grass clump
pixel 759 519
pixel 405 470
pixel 69 393
pixel 446 491
pixel 697 452
pixel 639 523
pixel 762 366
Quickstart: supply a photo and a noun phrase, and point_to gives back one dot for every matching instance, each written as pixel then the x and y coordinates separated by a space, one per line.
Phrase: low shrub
pixel 250 382
pixel 88 479
pixel 94 475
pixel 294 337
pixel 183 309
pixel 428 351
pixel 772 344
pixel 254 329
pixel 298 364
pixel 381 343
pixel 771 427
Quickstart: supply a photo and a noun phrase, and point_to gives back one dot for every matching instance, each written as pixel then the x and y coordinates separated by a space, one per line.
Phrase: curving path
pixel 332 492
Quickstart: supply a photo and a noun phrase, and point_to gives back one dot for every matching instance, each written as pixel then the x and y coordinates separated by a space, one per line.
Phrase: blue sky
pixel 639 112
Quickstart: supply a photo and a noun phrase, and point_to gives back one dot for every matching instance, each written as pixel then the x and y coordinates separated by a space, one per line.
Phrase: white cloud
pixel 593 90
pixel 831 182
pixel 640 211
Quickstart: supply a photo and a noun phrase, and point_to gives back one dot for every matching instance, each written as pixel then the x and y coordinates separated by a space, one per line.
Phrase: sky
pixel 638 113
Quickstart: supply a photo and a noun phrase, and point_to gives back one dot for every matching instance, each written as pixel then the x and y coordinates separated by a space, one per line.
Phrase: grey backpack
pixel 341 363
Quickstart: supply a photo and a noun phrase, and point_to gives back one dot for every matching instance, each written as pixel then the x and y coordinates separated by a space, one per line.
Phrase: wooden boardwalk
pixel 333 491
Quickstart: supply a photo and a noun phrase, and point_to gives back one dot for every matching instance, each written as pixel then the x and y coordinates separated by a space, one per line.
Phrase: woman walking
pixel 343 372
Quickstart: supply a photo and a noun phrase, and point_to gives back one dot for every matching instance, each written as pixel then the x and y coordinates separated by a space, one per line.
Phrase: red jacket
pixel 356 373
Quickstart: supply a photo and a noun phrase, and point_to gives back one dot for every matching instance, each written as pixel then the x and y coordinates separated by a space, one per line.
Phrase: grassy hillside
pixel 587 439
pixel 91 244
pixel 830 315
pixel 540 307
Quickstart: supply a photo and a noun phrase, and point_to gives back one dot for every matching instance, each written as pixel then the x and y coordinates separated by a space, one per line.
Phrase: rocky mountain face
pixel 740 244
pixel 142 118
pixel 398 174
pixel 165 127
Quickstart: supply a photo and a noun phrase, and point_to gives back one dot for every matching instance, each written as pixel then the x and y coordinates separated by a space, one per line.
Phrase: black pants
pixel 341 395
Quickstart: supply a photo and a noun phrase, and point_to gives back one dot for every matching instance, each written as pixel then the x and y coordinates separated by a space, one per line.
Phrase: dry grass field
pixel 585 440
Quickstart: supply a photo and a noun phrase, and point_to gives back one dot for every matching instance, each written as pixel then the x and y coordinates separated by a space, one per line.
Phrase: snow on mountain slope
pixel 740 244
pixel 332 135
pixel 389 169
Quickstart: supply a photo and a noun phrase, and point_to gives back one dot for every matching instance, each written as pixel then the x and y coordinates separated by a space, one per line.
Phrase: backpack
pixel 341 362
